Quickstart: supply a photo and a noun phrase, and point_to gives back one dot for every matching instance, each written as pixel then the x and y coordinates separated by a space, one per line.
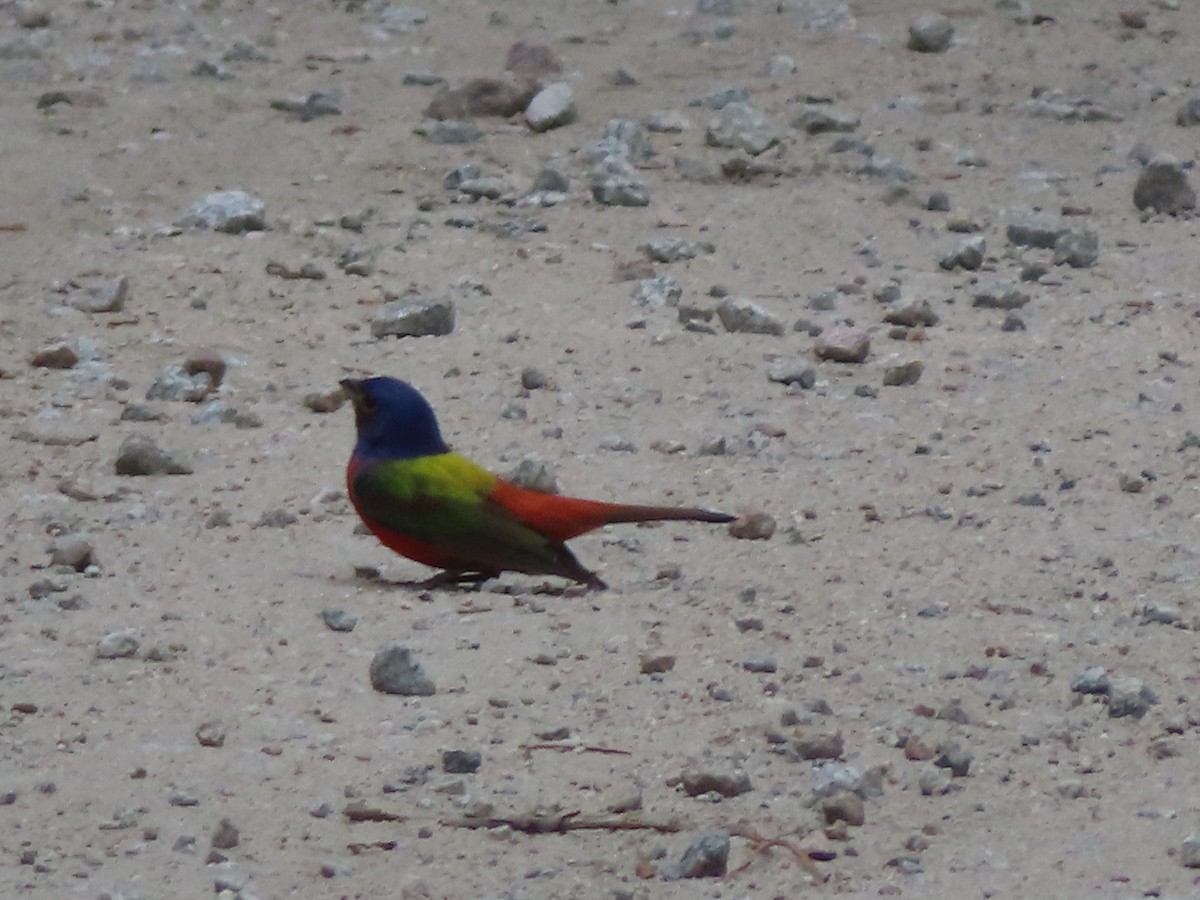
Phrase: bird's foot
pixel 450 578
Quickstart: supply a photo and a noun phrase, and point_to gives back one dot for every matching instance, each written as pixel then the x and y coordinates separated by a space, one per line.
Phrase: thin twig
pixel 760 844
pixel 557 822
pixel 579 748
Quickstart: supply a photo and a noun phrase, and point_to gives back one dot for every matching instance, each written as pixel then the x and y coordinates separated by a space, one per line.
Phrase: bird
pixel 438 508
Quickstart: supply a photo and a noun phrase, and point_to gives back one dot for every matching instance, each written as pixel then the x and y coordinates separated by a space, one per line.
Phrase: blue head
pixel 394 421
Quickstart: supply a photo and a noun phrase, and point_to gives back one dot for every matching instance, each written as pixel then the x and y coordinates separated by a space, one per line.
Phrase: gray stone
pixel 934 781
pixel 400 19
pixel 623 141
pixel 1128 696
pixel 995 294
pixel 225 836
pixel 338 620
pixel 455 178
pixel 503 97
pixel 1189 113
pixel 489 187
pixel 535 475
pixel 461 762
pixel 211 734
pixel 954 757
pixel 174 383
pixel 822 745
pixel 930 33
pixel 885 168
pixel 1077 249
pixel 903 374
pixel 970 158
pixel 276 518
pixel 1189 852
pixel 394 672
pixel 325 400
pixel 1163 187
pixel 843 344
pixel 414 316
pixel 118 644
pixel 551 107
pixel 1062 108
pixel 967 255
pixel 535 61
pixel 910 312
pixel 141 456
pixel 667 121
pixel 620 190
pixel 939 201
pixel 1092 680
pixel 721 97
pixel 553 177
pixel 792 371
pixel 244 51
pixel 1035 231
pixel 311 106
pixel 107 296
pixel 52 428
pixel 230 212
pixel 55 356
pixel 742 127
pixel 655 293
pixel 820 118
pixel 18 46
pixel 706 857
pixel 737 314
pixel 672 249
pixel 727 784
pixel 74 551
pixel 623 77
pixel 1012 322
pixel 755 526
pixel 779 66
pixel 831 777
pixel 533 379
pixel 843 807
pixel 449 131
pixel 207 68
pixel 1161 613
pixel 422 79
pixel 761 664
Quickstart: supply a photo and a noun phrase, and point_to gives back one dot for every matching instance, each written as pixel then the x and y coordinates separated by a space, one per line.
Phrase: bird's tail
pixel 562 518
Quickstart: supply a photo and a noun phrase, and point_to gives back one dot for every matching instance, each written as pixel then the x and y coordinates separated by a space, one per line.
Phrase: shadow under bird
pixel 438 508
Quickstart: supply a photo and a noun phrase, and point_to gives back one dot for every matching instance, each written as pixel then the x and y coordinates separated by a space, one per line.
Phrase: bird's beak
pixel 354 390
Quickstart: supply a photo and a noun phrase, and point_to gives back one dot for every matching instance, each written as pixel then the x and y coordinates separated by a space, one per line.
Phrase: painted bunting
pixel 439 508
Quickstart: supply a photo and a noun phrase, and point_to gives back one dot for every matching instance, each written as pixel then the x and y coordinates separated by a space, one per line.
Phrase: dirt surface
pixel 950 555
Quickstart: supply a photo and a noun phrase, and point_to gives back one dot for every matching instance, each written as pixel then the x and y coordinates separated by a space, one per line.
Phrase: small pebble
pixel 74 551
pixel 706 857
pixel 338 620
pixel 653 663
pixel 930 33
pixel 226 836
pixel 727 784
pixel 843 344
pixel 753 527
pixel 461 762
pixel 394 672
pixel 55 356
pixel 211 734
pixel 118 644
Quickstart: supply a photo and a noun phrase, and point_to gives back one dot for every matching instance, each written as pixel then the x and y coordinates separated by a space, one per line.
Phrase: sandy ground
pixel 906 601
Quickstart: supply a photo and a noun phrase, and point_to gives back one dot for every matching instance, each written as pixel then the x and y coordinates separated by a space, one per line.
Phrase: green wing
pixel 443 500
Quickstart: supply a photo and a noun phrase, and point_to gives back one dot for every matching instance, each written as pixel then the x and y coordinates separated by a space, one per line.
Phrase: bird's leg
pixel 454 577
